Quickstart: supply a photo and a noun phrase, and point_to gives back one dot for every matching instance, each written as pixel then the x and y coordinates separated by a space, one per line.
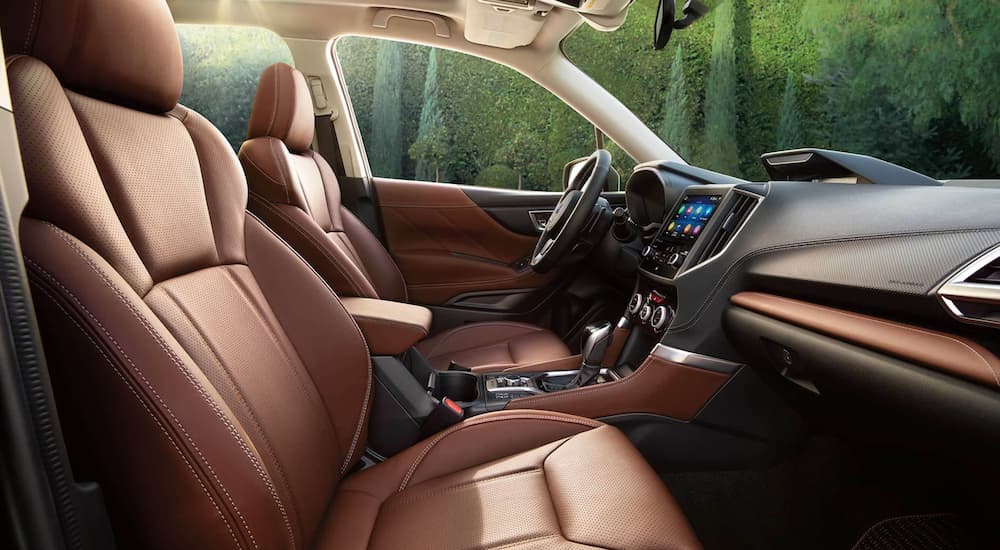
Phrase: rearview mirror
pixel 572 168
pixel 663 26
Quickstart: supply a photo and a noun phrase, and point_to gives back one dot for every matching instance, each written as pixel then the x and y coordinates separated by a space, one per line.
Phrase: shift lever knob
pixel 596 338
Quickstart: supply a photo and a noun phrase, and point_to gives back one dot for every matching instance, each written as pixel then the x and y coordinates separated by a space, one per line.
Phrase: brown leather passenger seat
pixel 206 377
pixel 295 192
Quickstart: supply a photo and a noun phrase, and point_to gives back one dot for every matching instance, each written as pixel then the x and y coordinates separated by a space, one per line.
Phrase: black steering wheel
pixel 572 212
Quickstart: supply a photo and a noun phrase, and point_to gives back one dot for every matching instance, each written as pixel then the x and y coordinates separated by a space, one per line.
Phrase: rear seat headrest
pixel 283 108
pixel 122 51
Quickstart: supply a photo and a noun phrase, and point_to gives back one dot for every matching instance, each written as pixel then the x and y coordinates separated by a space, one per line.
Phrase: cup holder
pixel 459 386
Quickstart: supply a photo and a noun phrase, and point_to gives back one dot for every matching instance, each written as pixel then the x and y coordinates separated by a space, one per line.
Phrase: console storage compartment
pixel 390 328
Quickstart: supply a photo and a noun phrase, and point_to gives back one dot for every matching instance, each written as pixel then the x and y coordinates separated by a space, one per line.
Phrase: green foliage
pixel 498 175
pixel 789 134
pixel 431 148
pixel 222 66
pixel 385 152
pixel 676 126
pixel 721 151
pixel 910 81
pixel 483 107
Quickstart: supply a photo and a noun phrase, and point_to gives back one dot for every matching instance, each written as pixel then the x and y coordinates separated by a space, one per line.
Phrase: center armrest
pixel 389 327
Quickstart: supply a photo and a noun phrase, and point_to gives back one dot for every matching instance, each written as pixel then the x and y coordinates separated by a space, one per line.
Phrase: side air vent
pixel 973 294
pixel 743 205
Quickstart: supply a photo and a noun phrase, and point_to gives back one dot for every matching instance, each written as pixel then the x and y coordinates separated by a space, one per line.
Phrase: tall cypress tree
pixel 720 149
pixel 430 147
pixel 789 134
pixel 676 127
pixel 385 152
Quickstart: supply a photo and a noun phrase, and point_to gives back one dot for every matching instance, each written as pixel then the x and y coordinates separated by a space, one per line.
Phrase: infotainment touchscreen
pixel 691 217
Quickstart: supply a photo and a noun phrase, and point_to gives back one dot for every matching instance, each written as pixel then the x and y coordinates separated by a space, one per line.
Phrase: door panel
pixel 446 245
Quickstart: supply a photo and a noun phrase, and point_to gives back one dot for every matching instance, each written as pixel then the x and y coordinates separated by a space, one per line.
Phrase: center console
pixel 622 370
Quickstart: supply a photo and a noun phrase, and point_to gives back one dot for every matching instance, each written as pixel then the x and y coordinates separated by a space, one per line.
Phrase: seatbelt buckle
pixel 447 413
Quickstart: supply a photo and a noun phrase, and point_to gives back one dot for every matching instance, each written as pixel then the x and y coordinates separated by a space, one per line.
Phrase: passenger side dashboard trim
pixel 943 352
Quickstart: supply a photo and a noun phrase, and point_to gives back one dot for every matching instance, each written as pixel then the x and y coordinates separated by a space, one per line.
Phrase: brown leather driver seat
pixel 208 379
pixel 294 191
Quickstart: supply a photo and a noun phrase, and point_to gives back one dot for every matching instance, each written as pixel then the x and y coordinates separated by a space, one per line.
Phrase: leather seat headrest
pixel 122 51
pixel 283 108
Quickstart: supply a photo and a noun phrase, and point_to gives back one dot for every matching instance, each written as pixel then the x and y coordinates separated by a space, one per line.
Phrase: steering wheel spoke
pixel 572 212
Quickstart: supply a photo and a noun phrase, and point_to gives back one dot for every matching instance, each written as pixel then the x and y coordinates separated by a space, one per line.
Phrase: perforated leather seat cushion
pixel 579 491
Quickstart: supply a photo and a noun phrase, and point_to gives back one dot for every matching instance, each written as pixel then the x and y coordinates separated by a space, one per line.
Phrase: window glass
pixel 908 81
pixel 436 115
pixel 222 65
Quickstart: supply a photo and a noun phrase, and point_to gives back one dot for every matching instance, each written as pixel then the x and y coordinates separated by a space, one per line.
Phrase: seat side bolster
pixel 144 418
pixel 582 501
pixel 474 442
pixel 470 443
pixel 385 274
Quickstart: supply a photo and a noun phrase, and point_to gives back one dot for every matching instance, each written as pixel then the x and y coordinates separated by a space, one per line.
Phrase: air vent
pixel 973 294
pixel 743 205
pixel 988 274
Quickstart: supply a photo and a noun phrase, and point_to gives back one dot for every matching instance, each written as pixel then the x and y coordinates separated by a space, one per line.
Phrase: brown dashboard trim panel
pixel 944 352
pixel 658 387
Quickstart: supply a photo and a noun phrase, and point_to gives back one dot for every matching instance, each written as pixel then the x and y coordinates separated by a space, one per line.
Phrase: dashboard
pixel 838 289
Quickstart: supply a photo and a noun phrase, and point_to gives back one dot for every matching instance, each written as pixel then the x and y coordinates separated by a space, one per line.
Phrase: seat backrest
pixel 205 376
pixel 296 193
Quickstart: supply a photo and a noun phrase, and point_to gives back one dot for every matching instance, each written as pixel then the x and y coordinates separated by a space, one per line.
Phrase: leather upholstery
pixel 296 193
pixel 657 387
pixel 283 109
pixel 447 245
pixel 493 346
pixel 389 327
pixel 206 377
pixel 944 352
pixel 86 44
pixel 524 480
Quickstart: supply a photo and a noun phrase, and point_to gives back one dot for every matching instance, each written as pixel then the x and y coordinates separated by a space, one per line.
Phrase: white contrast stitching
pixel 163 429
pixel 515 416
pixel 179 364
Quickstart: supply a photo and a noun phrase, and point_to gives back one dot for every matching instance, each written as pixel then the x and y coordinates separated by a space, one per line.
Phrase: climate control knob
pixel 645 313
pixel 675 260
pixel 660 318
pixel 635 304
pixel 647 252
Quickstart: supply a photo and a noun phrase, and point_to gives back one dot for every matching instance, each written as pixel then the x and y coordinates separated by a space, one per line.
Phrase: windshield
pixel 914 82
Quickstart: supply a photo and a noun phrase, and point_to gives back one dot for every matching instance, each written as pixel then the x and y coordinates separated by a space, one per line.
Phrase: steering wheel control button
pixel 646 313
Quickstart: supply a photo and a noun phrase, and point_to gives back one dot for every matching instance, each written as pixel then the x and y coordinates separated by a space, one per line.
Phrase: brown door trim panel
pixel 445 244
pixel 658 387
pixel 944 352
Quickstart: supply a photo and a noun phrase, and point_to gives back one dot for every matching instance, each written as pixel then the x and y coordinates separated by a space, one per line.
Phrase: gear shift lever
pixel 596 338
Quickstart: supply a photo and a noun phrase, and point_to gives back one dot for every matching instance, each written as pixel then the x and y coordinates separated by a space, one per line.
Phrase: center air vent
pixel 743 205
pixel 973 294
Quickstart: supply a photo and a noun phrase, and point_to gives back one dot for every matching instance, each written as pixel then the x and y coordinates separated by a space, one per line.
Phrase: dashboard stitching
pixel 789 246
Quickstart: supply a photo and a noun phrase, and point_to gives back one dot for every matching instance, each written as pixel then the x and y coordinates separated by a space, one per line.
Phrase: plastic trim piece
pixel 382 17
pixel 957 289
pixel 696 360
